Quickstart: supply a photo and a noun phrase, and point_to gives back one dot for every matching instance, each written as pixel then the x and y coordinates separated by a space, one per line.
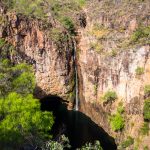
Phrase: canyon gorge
pixel 105 54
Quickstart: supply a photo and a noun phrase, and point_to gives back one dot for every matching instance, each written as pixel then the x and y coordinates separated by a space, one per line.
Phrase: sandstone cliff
pixel 108 61
pixel 53 66
pixel 109 56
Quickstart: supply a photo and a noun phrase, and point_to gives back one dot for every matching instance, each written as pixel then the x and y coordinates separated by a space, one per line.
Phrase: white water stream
pixel 76 79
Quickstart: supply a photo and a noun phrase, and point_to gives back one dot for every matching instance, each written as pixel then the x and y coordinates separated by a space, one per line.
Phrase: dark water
pixel 78 127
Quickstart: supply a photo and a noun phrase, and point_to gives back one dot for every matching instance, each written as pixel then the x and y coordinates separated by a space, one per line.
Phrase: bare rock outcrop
pixel 53 66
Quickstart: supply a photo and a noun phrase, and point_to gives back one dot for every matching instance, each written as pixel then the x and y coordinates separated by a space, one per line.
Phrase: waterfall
pixel 76 78
pixel 76 88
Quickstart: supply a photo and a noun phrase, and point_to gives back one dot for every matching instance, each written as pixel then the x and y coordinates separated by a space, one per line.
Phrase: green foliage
pixel 98 47
pixel 2 42
pixel 41 9
pixel 117 122
pixel 68 24
pixel 81 3
pixel 139 70
pixel 95 88
pixel 120 108
pixel 24 83
pixel 30 8
pixel 146 148
pixel 6 49
pixel 22 117
pixel 61 145
pixel 144 130
pixel 63 13
pixel 89 146
pixel 147 90
pixel 56 35
pixel 110 96
pixel 18 78
pixel 7 3
pixel 128 142
pixel 142 35
pixel 113 53
pixel 146 109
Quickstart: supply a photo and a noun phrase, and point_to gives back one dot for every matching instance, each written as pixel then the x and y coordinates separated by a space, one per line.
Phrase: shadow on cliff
pixel 78 127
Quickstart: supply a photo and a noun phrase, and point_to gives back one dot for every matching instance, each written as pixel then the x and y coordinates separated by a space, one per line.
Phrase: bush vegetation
pixel 110 96
pixel 97 46
pixel 144 130
pixel 58 35
pixel 120 108
pixel 139 70
pixel 141 35
pixel 21 120
pixel 64 144
pixel 128 142
pixel 89 146
pixel 147 90
pixel 68 24
pixel 146 148
pixel 99 31
pixel 146 109
pixel 81 3
pixel 2 42
pixel 63 12
pixel 113 53
pixel 117 122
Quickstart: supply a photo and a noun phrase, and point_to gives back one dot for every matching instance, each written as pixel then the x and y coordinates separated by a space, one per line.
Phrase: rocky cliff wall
pixel 110 49
pixel 53 65
pixel 109 61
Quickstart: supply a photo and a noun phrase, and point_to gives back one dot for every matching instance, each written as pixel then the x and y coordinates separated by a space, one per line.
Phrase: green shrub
pixel 129 141
pixel 18 78
pixel 113 53
pixel 2 42
pixel 30 8
pixel 5 63
pixel 110 96
pixel 146 109
pixel 147 89
pixel 68 24
pixel 117 122
pixel 62 144
pixel 89 146
pixel 57 35
pixel 120 109
pixel 142 34
pixel 24 83
pixel 81 3
pixel 146 148
pixel 144 130
pixel 8 3
pixel 21 119
pixel 139 70
pixel 97 46
pixel 95 88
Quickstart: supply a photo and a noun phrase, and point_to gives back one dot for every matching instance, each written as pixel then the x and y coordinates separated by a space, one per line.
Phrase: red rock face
pixel 101 71
pixel 53 67
pixel 100 68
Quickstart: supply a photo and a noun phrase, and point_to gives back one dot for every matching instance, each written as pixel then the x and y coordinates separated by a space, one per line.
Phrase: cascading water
pixel 76 78
pixel 77 98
